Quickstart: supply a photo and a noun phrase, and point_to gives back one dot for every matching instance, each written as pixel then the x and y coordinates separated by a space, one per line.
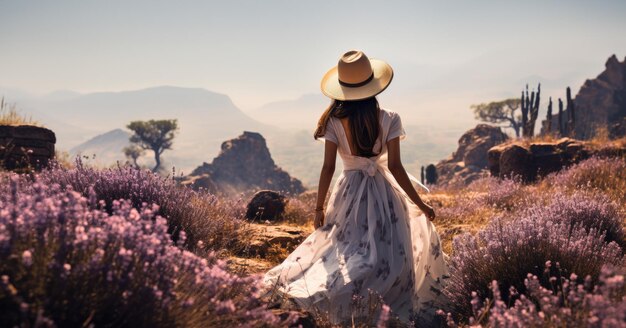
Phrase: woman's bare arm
pixel 399 173
pixel 328 169
pixel 326 175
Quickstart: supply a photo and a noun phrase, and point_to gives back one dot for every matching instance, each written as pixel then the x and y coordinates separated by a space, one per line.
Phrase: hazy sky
pixel 260 51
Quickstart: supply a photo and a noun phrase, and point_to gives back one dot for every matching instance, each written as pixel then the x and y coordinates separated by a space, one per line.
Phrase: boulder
pixel 26 147
pixel 539 159
pixel 266 205
pixel 493 159
pixel 517 161
pixel 470 161
pixel 243 165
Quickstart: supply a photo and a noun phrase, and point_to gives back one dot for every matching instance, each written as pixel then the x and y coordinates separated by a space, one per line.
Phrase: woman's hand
pixel 428 211
pixel 319 219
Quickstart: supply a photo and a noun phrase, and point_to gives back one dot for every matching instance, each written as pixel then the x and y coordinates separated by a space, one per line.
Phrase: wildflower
pixel 384 316
pixel 27 258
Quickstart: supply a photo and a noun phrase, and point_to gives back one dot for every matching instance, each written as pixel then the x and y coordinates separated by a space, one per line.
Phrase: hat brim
pixel 383 74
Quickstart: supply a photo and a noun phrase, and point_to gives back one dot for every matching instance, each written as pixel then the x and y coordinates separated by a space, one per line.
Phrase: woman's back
pixel 337 131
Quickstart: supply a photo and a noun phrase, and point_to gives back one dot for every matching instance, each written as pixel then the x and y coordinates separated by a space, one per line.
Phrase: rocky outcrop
pixel 266 205
pixel 270 245
pixel 535 160
pixel 600 103
pixel 469 161
pixel 268 236
pixel 26 146
pixel 243 165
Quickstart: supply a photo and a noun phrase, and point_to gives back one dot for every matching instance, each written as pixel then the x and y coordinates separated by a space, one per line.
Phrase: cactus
pixel 524 104
pixel 549 117
pixel 530 111
pixel 422 175
pixel 534 110
pixel 431 174
pixel 571 111
pixel 561 117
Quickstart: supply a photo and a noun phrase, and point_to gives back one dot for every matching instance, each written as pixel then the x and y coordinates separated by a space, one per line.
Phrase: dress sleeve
pixel 395 128
pixel 329 132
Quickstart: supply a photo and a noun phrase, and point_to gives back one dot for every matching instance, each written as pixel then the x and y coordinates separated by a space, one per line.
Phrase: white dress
pixel 374 238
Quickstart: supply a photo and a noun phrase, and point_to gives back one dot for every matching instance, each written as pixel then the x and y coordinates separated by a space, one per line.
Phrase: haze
pixel 446 55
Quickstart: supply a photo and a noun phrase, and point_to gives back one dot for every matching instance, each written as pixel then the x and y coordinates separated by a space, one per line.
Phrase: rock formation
pixel 26 146
pixel 538 159
pixel 244 164
pixel 266 205
pixel 600 103
pixel 268 236
pixel 469 161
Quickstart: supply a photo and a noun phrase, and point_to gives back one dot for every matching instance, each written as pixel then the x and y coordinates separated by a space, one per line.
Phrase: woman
pixel 376 232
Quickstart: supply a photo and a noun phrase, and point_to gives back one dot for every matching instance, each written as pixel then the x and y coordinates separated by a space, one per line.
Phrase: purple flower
pixel 27 258
pixel 81 263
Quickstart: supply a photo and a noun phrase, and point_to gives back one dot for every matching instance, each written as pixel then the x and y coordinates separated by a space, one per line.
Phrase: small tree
pixel 133 152
pixel 498 112
pixel 155 135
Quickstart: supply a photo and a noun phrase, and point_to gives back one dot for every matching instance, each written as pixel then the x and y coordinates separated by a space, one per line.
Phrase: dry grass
pixel 600 140
pixel 450 224
pixel 300 210
pixel 10 116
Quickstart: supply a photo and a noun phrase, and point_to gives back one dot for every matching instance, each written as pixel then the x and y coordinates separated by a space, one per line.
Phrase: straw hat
pixel 356 77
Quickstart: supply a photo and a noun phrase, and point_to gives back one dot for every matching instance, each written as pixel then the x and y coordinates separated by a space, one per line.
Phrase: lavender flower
pixel 508 251
pixel 565 303
pixel 80 265
pixel 216 223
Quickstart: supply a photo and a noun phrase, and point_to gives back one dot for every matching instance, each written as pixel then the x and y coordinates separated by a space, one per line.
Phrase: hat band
pixel 356 85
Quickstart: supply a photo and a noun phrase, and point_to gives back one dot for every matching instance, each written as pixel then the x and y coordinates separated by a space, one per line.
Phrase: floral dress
pixel 374 238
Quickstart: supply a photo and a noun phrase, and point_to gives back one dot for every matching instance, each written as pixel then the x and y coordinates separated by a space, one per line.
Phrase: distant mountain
pixel 300 113
pixel 107 147
pixel 112 109
pixel 205 120
pixel 93 124
pixel 61 95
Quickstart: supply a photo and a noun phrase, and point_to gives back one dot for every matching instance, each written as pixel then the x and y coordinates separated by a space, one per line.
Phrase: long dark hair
pixel 363 118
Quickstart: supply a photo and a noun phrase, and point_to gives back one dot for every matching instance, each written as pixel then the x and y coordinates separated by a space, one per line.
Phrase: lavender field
pixel 81 246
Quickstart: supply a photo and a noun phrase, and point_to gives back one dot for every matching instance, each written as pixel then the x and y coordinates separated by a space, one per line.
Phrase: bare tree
pixel 500 112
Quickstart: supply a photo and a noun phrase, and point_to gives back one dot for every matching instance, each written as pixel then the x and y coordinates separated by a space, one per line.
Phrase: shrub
pixel 209 221
pixel 595 211
pixel 300 209
pixel 63 262
pixel 566 303
pixel 508 252
pixel 502 194
pixel 606 175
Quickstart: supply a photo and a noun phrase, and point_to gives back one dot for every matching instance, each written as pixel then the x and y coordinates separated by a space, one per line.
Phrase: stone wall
pixel 26 146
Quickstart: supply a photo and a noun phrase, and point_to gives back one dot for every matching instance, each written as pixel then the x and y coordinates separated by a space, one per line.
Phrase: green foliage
pixel 133 152
pixel 154 135
pixel 503 111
